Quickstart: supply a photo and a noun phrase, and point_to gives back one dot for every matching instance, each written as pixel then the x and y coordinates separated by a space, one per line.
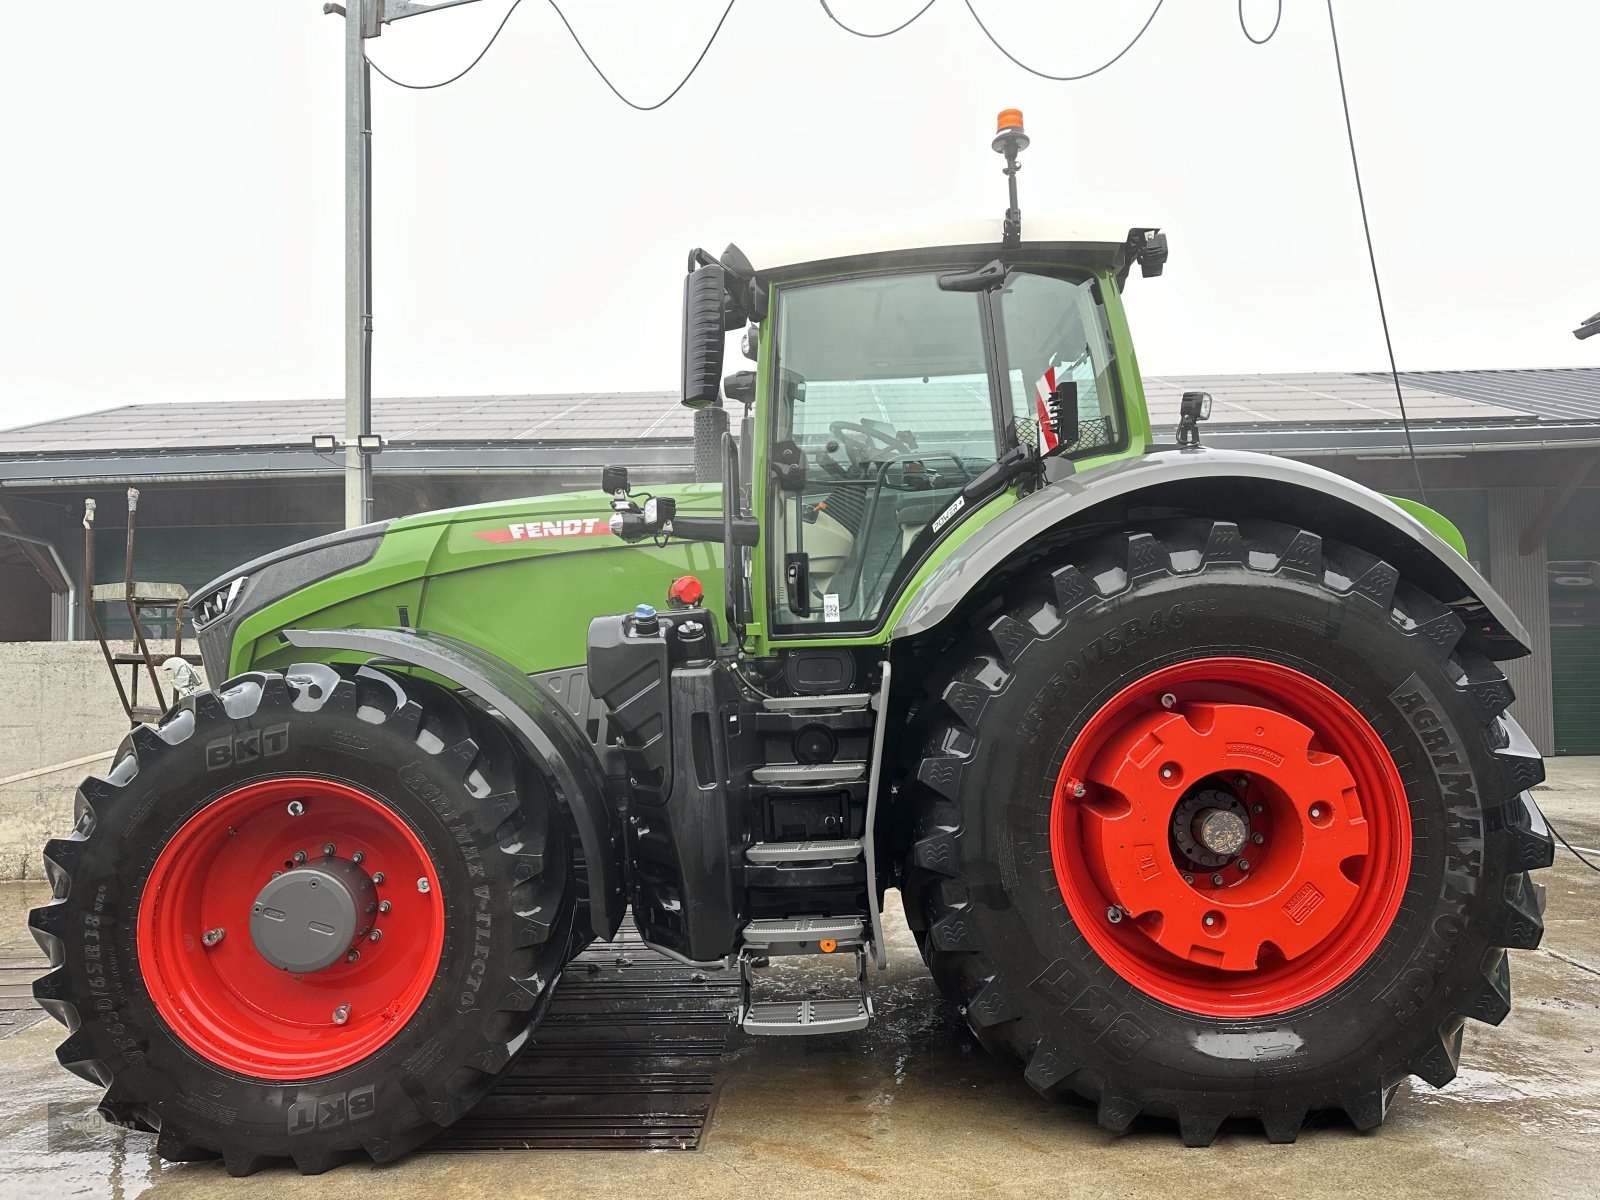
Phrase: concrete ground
pixel 913 1108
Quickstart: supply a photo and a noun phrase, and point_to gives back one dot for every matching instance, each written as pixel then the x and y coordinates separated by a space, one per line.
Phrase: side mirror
pixel 708 314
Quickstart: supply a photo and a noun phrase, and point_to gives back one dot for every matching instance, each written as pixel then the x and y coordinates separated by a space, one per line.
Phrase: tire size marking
pixel 1045 705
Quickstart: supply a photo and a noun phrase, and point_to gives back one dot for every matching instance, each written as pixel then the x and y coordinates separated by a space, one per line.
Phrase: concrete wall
pixel 57 703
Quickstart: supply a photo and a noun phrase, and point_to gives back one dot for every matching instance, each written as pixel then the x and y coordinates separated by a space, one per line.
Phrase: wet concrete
pixel 913 1108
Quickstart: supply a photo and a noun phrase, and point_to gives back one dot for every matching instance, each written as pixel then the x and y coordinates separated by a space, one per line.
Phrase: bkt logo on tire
pixel 329 1112
pixel 247 747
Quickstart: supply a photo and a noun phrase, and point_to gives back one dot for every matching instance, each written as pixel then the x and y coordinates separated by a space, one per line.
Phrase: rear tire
pixel 1002 908
pixel 410 763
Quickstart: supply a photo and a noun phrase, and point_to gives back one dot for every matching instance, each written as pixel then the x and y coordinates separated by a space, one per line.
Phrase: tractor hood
pixel 476 573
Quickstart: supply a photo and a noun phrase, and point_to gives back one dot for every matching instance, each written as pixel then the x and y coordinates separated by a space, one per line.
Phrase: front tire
pixel 1356 747
pixel 208 1023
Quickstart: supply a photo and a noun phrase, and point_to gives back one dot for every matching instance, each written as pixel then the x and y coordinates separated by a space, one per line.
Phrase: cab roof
pixel 1093 245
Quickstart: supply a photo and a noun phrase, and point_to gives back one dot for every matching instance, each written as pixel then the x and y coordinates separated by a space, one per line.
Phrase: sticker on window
pixel 830 606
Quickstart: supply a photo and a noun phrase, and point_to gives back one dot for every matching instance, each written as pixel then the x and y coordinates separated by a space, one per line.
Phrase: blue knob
pixel 644 612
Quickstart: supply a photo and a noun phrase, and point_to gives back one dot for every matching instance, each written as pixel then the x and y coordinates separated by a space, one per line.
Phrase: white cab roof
pixel 1095 242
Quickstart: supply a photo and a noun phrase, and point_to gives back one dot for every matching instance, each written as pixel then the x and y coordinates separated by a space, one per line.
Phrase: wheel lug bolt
pixel 352 956
pixel 1208 920
pixel 1114 914
pixel 1244 864
pixel 422 885
pixel 375 936
pixel 341 1014
pixel 297 808
pixel 275 874
pixel 1257 809
pixel 1168 700
pixel 1242 782
pixel 384 906
pixel 1216 880
pixel 1167 772
pixel 1316 812
pixel 1188 878
pixel 299 857
pixel 327 849
pixel 212 936
pixel 1258 838
pixel 1079 791
pixel 360 856
pixel 377 877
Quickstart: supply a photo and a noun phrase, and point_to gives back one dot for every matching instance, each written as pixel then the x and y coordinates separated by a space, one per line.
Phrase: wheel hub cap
pixel 291 927
pixel 1248 820
pixel 307 918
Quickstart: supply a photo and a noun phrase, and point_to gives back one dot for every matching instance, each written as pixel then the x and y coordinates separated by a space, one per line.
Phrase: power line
pixel 584 50
pixel 1271 33
pixel 887 32
pixel 424 87
pixel 1372 258
pixel 1063 78
pixel 613 87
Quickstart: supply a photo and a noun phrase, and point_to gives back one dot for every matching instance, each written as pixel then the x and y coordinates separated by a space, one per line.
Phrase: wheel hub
pixel 306 919
pixel 341 946
pixel 1247 826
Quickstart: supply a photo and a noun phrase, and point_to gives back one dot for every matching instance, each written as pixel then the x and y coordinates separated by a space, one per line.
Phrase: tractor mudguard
pixel 1229 484
pixel 539 724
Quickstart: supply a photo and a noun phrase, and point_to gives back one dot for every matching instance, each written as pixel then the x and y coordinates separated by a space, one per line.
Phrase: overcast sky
pixel 171 213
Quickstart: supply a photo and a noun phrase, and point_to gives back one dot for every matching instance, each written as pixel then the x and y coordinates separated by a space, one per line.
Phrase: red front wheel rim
pixel 1231 836
pixel 200 960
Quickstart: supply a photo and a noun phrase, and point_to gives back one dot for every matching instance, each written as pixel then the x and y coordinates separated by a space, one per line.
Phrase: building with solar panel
pixel 1509 456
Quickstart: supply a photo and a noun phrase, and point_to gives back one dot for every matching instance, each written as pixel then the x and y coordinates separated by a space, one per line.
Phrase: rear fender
pixel 543 729
pixel 1228 485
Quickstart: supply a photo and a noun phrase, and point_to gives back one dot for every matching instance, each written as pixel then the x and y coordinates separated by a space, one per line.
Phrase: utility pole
pixel 363 19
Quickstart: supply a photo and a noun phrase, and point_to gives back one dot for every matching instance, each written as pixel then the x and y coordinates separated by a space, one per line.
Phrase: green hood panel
pixel 474 573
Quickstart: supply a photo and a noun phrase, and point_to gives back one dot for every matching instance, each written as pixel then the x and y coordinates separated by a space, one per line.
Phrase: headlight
pixel 215 604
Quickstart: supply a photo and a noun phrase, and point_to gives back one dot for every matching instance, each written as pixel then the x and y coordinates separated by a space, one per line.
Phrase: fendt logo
pixel 522 531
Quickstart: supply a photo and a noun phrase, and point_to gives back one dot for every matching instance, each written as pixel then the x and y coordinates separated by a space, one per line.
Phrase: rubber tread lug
pixel 954 931
pixel 938 853
pixel 1199 1129
pixel 1011 638
pixel 1224 544
pixel 1492 1003
pixel 1440 1062
pixel 1047 1067
pixel 990 1006
pixel 1072 588
pixel 1303 555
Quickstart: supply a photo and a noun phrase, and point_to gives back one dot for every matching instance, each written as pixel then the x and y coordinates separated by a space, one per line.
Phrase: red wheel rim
pixel 226 1001
pixel 1326 848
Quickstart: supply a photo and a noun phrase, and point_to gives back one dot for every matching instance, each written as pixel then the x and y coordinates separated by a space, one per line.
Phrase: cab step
pixel 802 935
pixel 779 853
pixel 779 1018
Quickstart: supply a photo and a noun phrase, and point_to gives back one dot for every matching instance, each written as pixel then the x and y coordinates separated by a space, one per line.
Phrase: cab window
pixel 1055 331
pixel 881 413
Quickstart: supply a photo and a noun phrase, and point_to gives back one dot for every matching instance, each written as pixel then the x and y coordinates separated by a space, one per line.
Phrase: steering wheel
pixel 858 436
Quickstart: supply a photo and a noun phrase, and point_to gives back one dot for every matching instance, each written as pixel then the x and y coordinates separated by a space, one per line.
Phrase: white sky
pixel 171 205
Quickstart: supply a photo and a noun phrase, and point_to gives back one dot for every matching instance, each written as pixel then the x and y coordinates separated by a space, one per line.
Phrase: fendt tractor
pixel 1192 768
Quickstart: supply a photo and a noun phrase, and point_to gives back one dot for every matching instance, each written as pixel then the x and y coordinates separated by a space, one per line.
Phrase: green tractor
pixel 1192 768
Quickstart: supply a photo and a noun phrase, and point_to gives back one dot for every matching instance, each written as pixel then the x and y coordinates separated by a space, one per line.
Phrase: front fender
pixel 541 727
pixel 1232 485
